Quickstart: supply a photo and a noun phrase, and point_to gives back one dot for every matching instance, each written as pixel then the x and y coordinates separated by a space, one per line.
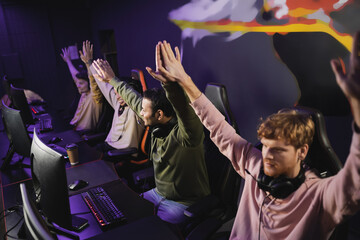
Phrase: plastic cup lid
pixel 71 146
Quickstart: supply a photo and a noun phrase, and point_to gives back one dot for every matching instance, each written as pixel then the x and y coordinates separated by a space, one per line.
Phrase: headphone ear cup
pixel 281 188
pixel 262 177
pixel 162 130
pixel 263 181
pixel 157 132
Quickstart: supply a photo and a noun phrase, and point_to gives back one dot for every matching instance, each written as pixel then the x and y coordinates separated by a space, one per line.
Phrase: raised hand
pixel 168 65
pixel 349 82
pixel 65 54
pixel 170 69
pixel 103 70
pixel 86 54
pixel 158 62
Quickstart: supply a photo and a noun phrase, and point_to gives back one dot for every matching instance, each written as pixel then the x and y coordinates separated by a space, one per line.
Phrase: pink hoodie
pixel 311 212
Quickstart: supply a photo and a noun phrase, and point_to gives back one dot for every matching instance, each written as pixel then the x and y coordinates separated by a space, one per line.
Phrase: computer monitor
pixel 33 219
pixel 20 141
pixel 6 85
pixel 50 185
pixel 20 103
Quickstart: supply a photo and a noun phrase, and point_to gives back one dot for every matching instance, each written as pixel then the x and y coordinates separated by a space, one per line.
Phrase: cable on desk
pixel 10 210
pixel 7 232
pixel 13 209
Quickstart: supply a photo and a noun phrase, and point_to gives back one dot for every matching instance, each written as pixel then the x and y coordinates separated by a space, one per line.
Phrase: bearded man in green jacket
pixel 176 148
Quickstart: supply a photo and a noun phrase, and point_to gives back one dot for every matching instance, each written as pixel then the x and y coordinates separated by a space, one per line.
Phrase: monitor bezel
pixel 50 183
pixel 20 103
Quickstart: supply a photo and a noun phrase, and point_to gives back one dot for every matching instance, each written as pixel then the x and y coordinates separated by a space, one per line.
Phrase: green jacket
pixel 178 158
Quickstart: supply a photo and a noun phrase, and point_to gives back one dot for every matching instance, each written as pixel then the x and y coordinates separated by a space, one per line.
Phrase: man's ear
pixel 303 151
pixel 159 114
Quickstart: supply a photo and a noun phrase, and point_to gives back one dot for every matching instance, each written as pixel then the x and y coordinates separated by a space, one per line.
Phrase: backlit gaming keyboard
pixel 37 110
pixel 103 208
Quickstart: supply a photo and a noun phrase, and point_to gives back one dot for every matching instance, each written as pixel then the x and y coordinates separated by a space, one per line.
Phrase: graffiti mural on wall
pixel 201 18
pixel 305 35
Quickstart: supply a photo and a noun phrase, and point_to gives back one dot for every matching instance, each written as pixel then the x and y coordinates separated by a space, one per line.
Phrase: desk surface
pixel 149 228
pixel 130 203
pixel 95 172
pixel 141 221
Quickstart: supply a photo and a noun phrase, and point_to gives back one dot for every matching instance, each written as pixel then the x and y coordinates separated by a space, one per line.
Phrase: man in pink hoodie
pixel 313 206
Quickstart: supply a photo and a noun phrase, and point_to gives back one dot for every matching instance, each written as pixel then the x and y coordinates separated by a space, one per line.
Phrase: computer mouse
pixel 55 140
pixel 78 184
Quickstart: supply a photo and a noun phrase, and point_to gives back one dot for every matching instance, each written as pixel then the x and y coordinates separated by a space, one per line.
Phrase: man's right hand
pixel 65 54
pixel 103 70
pixel 86 54
pixel 170 69
pixel 350 82
pixel 168 65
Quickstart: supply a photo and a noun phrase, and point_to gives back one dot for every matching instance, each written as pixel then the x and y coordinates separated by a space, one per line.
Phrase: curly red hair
pixel 295 127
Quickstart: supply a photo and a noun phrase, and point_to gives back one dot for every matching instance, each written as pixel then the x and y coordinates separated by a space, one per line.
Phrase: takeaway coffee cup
pixel 72 151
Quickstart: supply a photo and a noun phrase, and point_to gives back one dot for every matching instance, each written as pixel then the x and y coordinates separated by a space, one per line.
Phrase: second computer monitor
pixel 50 185
pixel 20 103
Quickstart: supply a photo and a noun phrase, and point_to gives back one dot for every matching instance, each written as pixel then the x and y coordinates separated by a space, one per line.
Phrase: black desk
pixel 149 228
pixel 141 221
pixel 96 173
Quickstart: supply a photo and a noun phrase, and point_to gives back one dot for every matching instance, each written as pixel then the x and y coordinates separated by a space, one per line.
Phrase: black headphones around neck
pixel 282 186
pixel 162 130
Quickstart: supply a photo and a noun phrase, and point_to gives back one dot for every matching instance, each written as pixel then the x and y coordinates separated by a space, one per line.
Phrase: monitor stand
pixel 78 223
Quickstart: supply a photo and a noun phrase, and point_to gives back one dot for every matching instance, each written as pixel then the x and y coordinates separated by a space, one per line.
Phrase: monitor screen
pixel 20 103
pixel 50 185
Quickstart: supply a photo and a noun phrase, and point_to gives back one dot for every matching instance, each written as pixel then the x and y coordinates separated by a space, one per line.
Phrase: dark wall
pixel 255 68
pixel 32 34
pixel 262 73
pixel 138 26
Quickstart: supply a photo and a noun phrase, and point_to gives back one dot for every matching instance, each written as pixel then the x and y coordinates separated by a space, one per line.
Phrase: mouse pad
pixel 95 173
pixel 67 137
